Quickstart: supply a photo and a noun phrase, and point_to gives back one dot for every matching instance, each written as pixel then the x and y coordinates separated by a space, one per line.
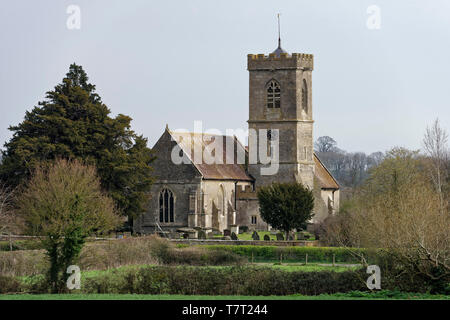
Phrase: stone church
pixel 220 196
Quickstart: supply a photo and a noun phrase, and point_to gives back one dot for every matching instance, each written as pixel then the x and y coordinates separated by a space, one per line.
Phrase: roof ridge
pixel 326 169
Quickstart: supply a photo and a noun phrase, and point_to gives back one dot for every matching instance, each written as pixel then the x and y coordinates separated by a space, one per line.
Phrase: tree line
pixel 350 169
pixel 401 210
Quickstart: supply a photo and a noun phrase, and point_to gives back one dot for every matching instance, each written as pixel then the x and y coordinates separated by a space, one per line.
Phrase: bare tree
pixel 8 223
pixel 397 209
pixel 375 158
pixel 325 144
pixel 6 195
pixel 435 146
pixel 63 204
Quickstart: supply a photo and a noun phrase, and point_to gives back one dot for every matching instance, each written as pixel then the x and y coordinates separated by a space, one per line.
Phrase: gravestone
pixel 234 236
pixel 291 237
pixel 255 235
pixel 201 234
pixel 185 236
pixel 303 235
pixel 226 232
pixel 266 237
pixel 280 236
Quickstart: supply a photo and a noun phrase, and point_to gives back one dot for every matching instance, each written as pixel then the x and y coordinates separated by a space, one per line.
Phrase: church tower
pixel 280 99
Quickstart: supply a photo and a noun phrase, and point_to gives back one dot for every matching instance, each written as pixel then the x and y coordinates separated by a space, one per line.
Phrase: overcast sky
pixel 179 61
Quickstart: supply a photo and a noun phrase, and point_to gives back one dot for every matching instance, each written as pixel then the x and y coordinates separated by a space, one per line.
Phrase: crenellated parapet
pixel 261 61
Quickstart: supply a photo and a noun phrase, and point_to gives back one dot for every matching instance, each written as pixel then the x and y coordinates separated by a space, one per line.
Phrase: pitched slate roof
pixel 228 170
pixel 326 179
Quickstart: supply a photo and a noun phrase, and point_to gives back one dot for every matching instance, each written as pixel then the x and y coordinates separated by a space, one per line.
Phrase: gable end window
pixel 166 206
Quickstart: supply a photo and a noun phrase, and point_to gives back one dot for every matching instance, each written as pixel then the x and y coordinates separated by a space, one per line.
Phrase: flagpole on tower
pixel 279 31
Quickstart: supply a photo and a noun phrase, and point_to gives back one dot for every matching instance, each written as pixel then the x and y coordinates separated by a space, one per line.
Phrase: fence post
pixel 10 242
pixel 334 259
pixel 252 257
pixel 306 259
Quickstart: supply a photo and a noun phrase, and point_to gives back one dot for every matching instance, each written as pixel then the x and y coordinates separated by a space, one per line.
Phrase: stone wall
pixel 248 206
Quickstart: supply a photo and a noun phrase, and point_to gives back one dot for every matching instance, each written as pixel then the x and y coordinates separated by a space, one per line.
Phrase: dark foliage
pixel 224 281
pixel 286 206
pixel 74 123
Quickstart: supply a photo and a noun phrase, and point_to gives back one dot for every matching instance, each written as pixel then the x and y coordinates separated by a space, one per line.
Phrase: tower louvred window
pixel 273 95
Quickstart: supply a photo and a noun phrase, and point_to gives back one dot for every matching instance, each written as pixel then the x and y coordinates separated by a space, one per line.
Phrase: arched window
pixel 273 94
pixel 166 206
pixel 305 96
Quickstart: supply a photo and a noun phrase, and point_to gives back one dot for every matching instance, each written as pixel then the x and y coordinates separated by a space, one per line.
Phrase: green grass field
pixel 313 267
pixel 291 266
pixel 356 295
pixel 383 295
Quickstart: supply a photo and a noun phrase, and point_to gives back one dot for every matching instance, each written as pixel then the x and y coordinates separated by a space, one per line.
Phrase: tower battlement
pixel 261 61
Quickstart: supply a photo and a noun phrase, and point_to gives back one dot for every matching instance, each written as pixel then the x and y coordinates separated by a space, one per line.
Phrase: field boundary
pixel 290 243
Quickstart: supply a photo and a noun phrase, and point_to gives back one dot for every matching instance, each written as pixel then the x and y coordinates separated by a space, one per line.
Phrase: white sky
pixel 180 61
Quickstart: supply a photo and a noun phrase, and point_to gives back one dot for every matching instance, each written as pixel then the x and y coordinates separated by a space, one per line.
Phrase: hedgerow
pixel 315 254
pixel 236 280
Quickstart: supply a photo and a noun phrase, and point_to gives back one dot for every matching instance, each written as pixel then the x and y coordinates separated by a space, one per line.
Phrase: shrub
pixel 315 254
pixel 286 206
pixel 280 236
pixel 23 263
pixel 243 229
pixel 116 253
pixel 199 256
pixel 64 203
pixel 240 280
pixel 9 285
pixel 21 245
